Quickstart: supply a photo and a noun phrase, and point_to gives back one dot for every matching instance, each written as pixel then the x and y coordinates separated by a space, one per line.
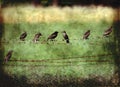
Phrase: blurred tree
pixel 55 2
pixel 36 2
pixel 112 3
pixel 45 2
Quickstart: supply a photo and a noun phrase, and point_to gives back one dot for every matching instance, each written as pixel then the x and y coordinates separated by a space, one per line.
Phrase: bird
pixel 108 32
pixel 65 36
pixel 86 34
pixel 36 37
pixel 23 36
pixel 8 56
pixel 53 36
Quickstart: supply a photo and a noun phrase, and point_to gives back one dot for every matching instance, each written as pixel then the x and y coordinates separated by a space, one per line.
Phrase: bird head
pixel 63 31
pixel 11 51
pixel 56 32
pixel 111 27
pixel 25 32
pixel 40 34
pixel 88 30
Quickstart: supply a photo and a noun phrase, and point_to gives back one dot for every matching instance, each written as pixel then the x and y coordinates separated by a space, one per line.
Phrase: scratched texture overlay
pixel 87 55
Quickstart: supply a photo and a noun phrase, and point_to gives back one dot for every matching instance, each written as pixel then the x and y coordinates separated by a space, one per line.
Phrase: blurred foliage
pixel 113 3
pixel 59 59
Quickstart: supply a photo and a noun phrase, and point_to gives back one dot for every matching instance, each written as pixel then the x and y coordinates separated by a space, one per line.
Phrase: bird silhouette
pixel 108 32
pixel 23 36
pixel 86 34
pixel 36 37
pixel 52 36
pixel 8 56
pixel 65 36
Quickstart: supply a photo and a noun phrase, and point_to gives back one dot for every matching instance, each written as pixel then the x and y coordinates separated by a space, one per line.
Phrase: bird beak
pixel 11 50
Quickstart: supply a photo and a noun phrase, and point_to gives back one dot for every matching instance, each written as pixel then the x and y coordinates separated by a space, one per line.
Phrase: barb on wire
pixel 58 59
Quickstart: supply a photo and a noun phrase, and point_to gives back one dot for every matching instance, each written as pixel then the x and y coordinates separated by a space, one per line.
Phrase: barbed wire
pixel 55 42
pixel 68 58
pixel 55 60
pixel 57 64
pixel 75 39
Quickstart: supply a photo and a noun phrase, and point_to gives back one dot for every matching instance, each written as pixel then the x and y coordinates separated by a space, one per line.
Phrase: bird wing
pixel 86 33
pixel 7 57
pixel 37 36
pixel 110 29
pixel 23 35
pixel 52 36
pixel 66 37
pixel 107 32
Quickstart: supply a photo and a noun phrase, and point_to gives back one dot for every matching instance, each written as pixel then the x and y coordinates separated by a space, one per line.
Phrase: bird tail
pixel 21 39
pixel 47 39
pixel 5 60
pixel 67 41
pixel 34 40
pixel 83 37
pixel 104 34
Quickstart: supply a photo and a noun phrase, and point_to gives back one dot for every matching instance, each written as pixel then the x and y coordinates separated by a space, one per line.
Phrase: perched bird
pixel 36 38
pixel 65 36
pixel 23 36
pixel 8 56
pixel 52 36
pixel 108 31
pixel 86 35
pixel 115 78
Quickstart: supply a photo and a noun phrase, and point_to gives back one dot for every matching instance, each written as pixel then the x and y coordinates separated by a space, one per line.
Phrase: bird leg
pixel 23 39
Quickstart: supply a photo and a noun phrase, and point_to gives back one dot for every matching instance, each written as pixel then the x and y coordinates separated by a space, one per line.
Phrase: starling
pixel 52 36
pixel 8 56
pixel 36 38
pixel 23 36
pixel 86 35
pixel 108 31
pixel 65 36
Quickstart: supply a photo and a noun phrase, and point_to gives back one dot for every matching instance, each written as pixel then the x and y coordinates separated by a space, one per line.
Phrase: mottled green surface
pixel 80 58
